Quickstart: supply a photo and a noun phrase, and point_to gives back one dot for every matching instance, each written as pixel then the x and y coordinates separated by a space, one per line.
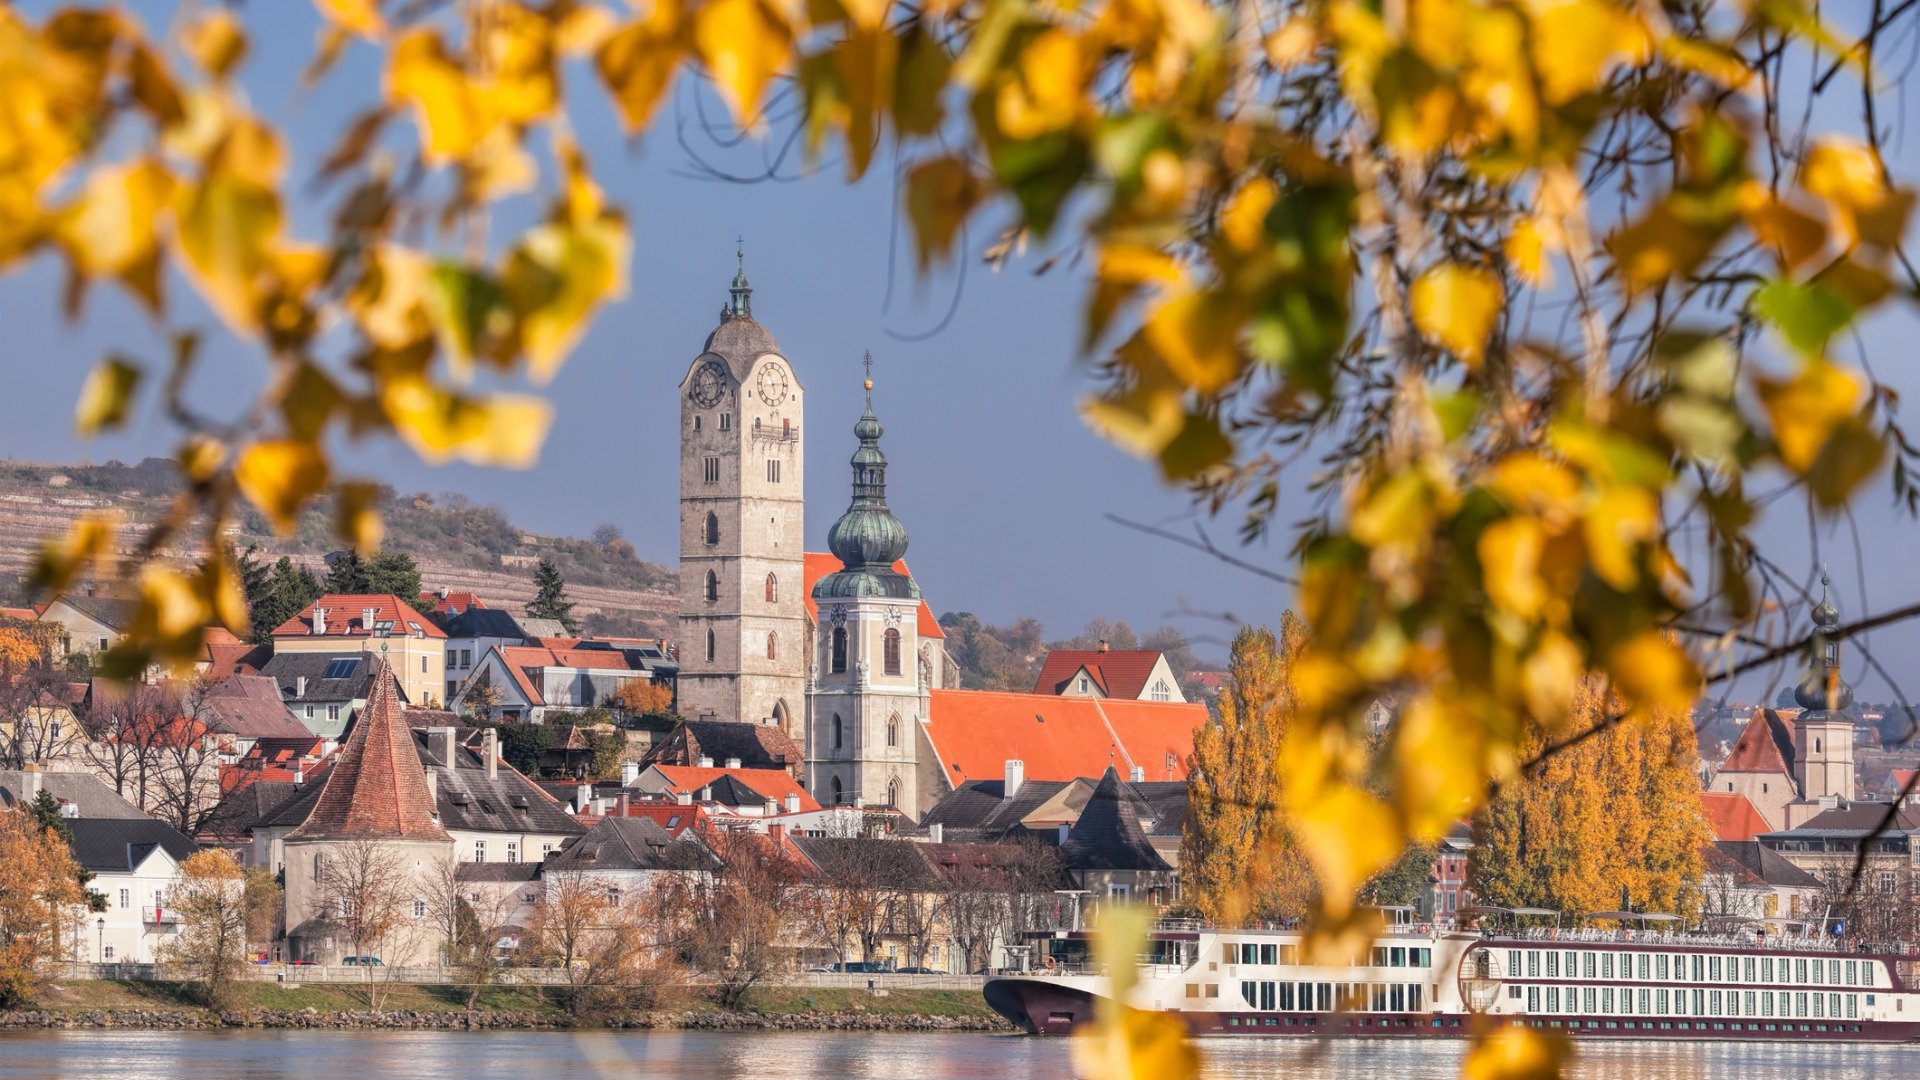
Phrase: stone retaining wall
pixel 171 1019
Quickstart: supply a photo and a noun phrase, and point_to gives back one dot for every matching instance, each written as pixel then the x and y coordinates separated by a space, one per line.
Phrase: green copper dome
pixel 867 539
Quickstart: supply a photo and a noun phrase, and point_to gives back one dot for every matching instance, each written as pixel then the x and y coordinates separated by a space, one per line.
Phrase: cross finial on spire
pixel 867 362
pixel 741 293
pixel 1823 582
pixel 740 251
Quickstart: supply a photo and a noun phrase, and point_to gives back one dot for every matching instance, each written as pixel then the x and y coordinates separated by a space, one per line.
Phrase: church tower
pixel 869 698
pixel 1823 764
pixel 743 621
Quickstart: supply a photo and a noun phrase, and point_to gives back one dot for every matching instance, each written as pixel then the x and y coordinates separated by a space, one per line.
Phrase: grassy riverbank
pixel 134 1003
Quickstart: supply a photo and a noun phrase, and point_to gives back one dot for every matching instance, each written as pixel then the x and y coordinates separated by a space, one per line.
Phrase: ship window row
pixel 1686 967
pixel 1395 956
pixel 1326 997
pixel 1627 1001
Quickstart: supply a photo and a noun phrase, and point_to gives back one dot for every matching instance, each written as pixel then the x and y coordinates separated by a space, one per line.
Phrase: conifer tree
pixel 393 572
pixel 1239 858
pixel 347 574
pixel 1613 819
pixel 550 597
pixel 290 587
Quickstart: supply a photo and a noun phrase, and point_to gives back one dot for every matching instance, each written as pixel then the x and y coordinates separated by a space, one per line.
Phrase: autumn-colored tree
pixel 595 936
pixel 641 697
pixel 1238 854
pixel 1615 819
pixel 210 897
pixel 18 652
pixel 41 901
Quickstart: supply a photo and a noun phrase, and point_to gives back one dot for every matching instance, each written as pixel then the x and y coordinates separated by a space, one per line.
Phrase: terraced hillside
pixel 458 544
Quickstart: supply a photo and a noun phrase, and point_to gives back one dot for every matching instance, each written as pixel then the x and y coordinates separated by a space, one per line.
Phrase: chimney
pixel 706 794
pixel 776 832
pixel 299 774
pixel 733 763
pixel 623 803
pixel 69 810
pixel 319 620
pixel 793 804
pixel 629 772
pixel 582 798
pixel 705 762
pixel 299 686
pixel 684 798
pixel 1103 644
pixel 433 785
pixel 1138 774
pixel 440 741
pixel 367 614
pixel 937 833
pixel 773 807
pixel 29 783
pixel 1015 776
pixel 490 750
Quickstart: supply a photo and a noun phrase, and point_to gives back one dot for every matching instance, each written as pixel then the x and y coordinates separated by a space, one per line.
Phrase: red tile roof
pixel 453 603
pixel 24 614
pixel 1734 817
pixel 346 613
pixel 377 788
pixel 1121 673
pixel 819 564
pixel 1765 745
pixel 775 784
pixel 672 817
pixel 974 732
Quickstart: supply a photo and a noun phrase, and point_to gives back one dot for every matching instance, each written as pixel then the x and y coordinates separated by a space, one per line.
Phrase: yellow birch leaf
pixel 447 105
pixel 940 194
pixel 361 17
pixel 387 302
pixel 1807 408
pixel 1654 674
pixel 638 62
pixel 226 227
pixel 1138 264
pixel 106 397
pixel 1197 334
pixel 1439 764
pixel 154 87
pixel 1049 93
pixel 1515 1052
pixel 1619 521
pixel 1293 43
pixel 356 519
pixel 1576 44
pixel 1548 677
pixel 89 540
pixel 279 476
pixel 1707 58
pixel 1243 224
pixel 216 41
pixel 744 43
pixel 1510 566
pixel 1848 176
pixel 505 430
pixel 555 279
pixel 1526 251
pixel 1793 236
pixel 1455 306
pixel 1141 421
pixel 113 225
pixel 200 457
pixel 1139 1045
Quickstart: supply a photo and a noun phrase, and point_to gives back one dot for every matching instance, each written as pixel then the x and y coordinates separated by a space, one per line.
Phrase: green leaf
pixel 1041 172
pixel 461 303
pixel 1199 446
pixel 1806 315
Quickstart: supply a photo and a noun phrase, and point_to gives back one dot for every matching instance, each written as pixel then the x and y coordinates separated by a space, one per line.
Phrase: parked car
pixel 863 967
pixel 361 961
pixel 917 971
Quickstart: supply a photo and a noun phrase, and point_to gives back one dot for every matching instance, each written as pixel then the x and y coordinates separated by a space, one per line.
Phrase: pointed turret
pixel 377 789
pixel 867 539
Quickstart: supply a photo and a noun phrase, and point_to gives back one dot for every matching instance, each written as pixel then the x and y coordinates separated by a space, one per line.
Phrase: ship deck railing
pixel 1589 935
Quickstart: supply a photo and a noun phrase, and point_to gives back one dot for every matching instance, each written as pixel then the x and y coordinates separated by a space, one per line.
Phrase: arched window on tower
pixel 710 644
pixel 773 589
pixel 713 586
pixel 836 746
pixel 837 799
pixel 713 527
pixel 1816 746
pixel 773 649
pixel 839 660
pixel 893 793
pixel 893 730
pixel 890 652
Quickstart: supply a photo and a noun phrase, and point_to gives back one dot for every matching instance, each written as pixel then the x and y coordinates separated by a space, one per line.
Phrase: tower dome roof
pixel 1823 690
pixel 740 339
pixel 867 539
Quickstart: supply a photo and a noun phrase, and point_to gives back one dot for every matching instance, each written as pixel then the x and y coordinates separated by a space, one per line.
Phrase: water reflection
pixel 314 1055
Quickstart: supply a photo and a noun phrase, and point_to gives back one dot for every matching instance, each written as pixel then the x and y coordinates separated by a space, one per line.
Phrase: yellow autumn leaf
pixel 201 457
pixel 1456 306
pixel 1708 58
pixel 1792 235
pixel 1653 673
pixel 447 104
pixel 504 430
pixel 1049 91
pixel 89 540
pixel 1510 566
pixel 941 192
pixel 1292 44
pixel 226 227
pixel 555 279
pixel 1349 835
pixel 1243 224
pixel 1526 250
pixel 1578 42
pixel 637 63
pixel 1140 1045
pixel 216 41
pixel 1618 522
pixel 387 302
pixel 1197 334
pixel 1138 264
pixel 1847 175
pixel 113 225
pixel 356 515
pixel 1806 409
pixel 743 43
pixel 1438 756
pixel 361 17
pixel 106 397
pixel 279 476
pixel 1141 420
pixel 1516 1052
pixel 1549 676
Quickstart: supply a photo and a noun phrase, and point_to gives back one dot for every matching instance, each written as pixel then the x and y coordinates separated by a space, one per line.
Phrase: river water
pixel 358 1055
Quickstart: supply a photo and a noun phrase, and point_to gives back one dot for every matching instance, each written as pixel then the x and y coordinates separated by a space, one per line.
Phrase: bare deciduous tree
pixel 365 888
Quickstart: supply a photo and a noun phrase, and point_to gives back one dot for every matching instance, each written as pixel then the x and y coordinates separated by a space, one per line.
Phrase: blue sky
pixel 1004 491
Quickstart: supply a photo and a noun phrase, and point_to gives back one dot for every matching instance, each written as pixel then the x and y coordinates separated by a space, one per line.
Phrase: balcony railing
pixel 159 916
pixel 785 433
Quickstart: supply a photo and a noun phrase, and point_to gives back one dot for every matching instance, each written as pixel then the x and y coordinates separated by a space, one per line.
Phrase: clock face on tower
pixel 708 384
pixel 773 385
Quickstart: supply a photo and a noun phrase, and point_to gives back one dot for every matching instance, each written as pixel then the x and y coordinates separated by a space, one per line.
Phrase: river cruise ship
pixel 1422 981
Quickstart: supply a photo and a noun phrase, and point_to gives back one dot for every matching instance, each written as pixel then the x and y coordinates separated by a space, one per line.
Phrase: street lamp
pixel 101 925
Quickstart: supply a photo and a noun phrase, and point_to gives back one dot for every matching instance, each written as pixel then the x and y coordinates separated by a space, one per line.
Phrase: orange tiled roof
pixel 1765 745
pixel 819 564
pixel 522 660
pixel 1734 817
pixel 974 732
pixel 346 614
pixel 672 817
pixel 775 784
pixel 24 614
pixel 1121 673
pixel 453 602
pixel 377 788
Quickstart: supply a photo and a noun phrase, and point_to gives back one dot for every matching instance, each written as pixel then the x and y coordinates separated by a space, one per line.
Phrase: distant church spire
pixel 1823 690
pixel 741 304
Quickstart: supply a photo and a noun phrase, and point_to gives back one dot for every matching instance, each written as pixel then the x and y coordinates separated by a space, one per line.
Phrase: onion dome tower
pixel 868 540
pixel 1823 733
